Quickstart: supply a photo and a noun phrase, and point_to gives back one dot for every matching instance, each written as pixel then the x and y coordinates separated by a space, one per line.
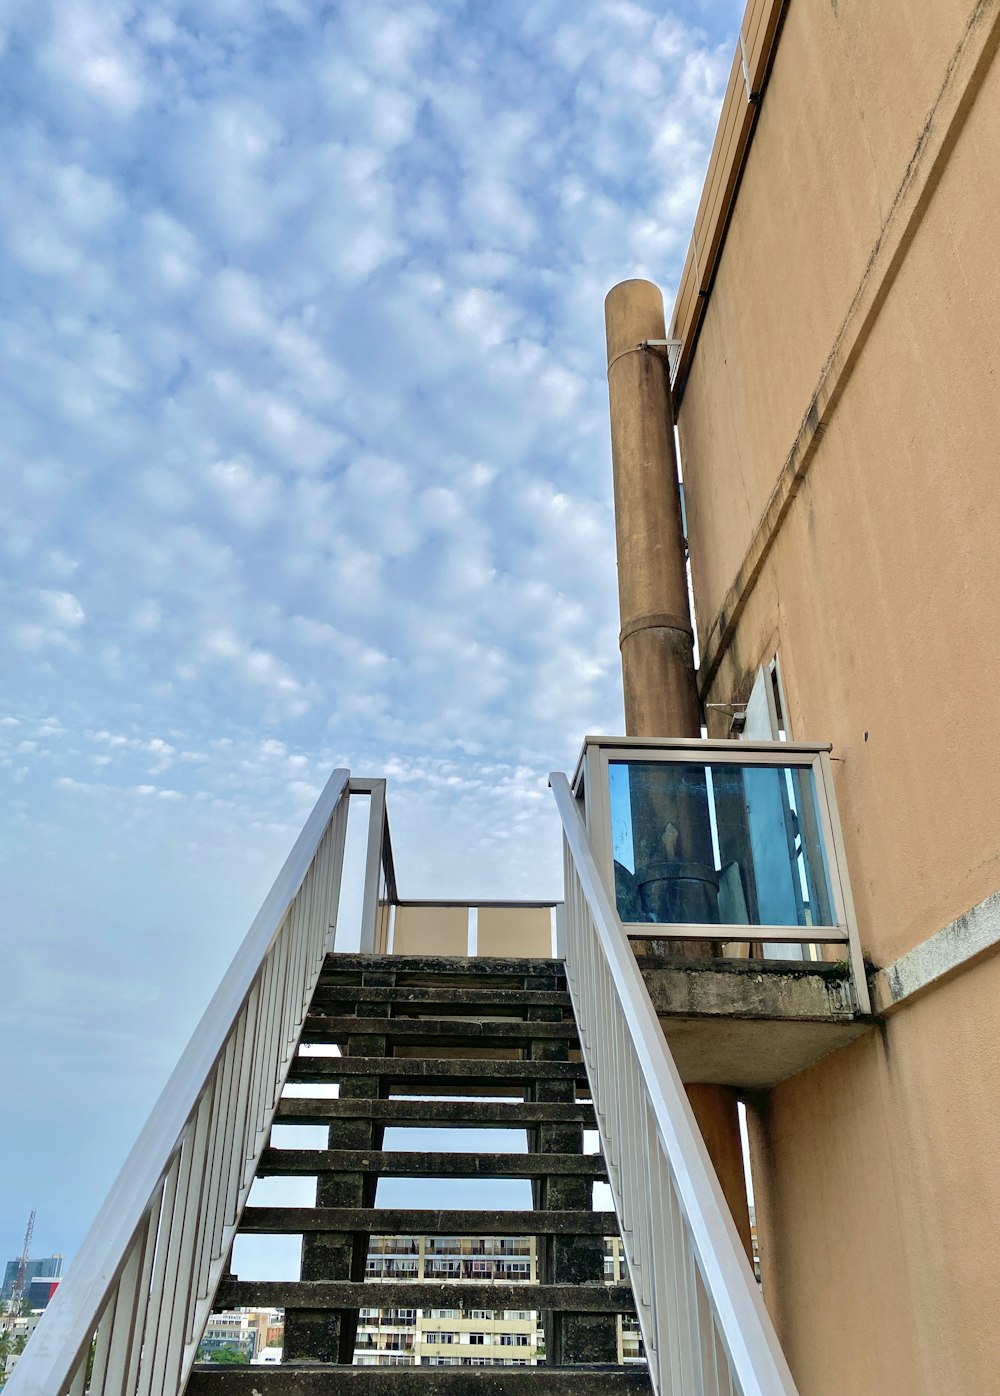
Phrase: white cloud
pixel 304 443
pixel 89 49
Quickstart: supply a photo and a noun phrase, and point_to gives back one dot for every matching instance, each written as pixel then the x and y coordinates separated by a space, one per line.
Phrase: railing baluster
pixel 145 1274
pixel 78 1385
pixel 136 1329
pixel 218 1142
pixel 161 1265
pixel 193 1220
pixel 241 1124
pixel 704 1327
pixel 102 1344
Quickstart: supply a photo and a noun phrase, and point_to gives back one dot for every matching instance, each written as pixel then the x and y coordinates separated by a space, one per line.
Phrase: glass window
pixel 721 844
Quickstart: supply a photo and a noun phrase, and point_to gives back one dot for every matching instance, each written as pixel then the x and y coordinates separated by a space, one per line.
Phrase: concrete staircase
pixel 490 1029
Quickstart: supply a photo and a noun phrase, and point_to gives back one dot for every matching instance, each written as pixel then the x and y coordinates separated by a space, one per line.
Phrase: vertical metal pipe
pixel 674 864
pixel 661 698
pixel 675 870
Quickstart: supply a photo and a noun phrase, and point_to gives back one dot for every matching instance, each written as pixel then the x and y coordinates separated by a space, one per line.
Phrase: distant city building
pixel 442 1337
pixel 21 1327
pixel 50 1266
pixel 39 1291
pixel 250 1331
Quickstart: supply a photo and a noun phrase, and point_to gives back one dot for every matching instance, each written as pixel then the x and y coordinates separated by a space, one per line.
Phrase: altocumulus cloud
pixel 305 463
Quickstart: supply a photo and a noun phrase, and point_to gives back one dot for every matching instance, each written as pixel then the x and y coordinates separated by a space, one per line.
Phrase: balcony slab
pixel 748 1023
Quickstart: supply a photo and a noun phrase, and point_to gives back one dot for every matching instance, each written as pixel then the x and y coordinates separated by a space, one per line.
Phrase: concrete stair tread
pixel 594 1297
pixel 478 966
pixel 473 1114
pixel 210 1379
pixel 392 1221
pixel 422 1164
pixel 323 1028
pixel 317 1069
pixel 485 995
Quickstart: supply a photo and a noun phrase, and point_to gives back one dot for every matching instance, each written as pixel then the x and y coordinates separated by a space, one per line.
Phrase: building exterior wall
pixel 449 1337
pixel 838 434
pixel 46 1265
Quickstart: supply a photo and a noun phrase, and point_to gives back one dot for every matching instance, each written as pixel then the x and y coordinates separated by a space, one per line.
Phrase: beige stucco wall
pixel 880 588
pixel 879 1197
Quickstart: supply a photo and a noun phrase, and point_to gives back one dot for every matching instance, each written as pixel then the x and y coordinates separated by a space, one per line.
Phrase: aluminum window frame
pixel 591 783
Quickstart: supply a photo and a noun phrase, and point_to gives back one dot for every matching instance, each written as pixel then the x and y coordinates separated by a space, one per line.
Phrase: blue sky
pixel 305 463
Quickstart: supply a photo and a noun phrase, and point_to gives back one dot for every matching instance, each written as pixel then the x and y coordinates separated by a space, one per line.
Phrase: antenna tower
pixel 17 1293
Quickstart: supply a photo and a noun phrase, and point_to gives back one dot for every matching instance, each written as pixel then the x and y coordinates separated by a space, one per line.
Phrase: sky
pixel 305 463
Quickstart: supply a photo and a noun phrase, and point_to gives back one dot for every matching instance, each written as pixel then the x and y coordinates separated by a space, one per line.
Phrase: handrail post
pixel 373 868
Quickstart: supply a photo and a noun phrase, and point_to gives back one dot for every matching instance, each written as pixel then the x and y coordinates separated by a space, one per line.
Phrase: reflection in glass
pixel 723 844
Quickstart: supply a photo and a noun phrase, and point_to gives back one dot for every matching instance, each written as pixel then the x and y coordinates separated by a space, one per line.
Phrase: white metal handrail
pixel 135 1301
pixel 704 1325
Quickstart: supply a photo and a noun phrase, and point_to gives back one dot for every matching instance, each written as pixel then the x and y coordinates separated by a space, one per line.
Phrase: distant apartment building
pixel 21 1327
pixel 451 1337
pixel 407 1337
pixel 46 1266
pixel 249 1331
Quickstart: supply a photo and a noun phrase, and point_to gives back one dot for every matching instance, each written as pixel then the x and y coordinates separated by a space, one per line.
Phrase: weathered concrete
pixel 563 1258
pixel 388 1221
pixel 540 1061
pixel 391 1163
pixel 426 1031
pixel 461 967
pixel 956 947
pixel 213 1380
pixel 470 1114
pixel 323 1295
pixel 493 998
pixel 456 1070
pixel 749 1023
pixel 484 995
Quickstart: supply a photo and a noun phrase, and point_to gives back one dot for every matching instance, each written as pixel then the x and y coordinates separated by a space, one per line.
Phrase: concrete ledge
pixel 208 1379
pixel 957 946
pixel 748 1023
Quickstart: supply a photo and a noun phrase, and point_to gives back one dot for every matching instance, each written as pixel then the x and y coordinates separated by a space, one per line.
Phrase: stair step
pixel 214 1379
pixel 418 995
pixel 425 1221
pixel 320 1028
pixel 450 1071
pixel 473 1114
pixel 593 1298
pixel 440 966
pixel 392 1164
